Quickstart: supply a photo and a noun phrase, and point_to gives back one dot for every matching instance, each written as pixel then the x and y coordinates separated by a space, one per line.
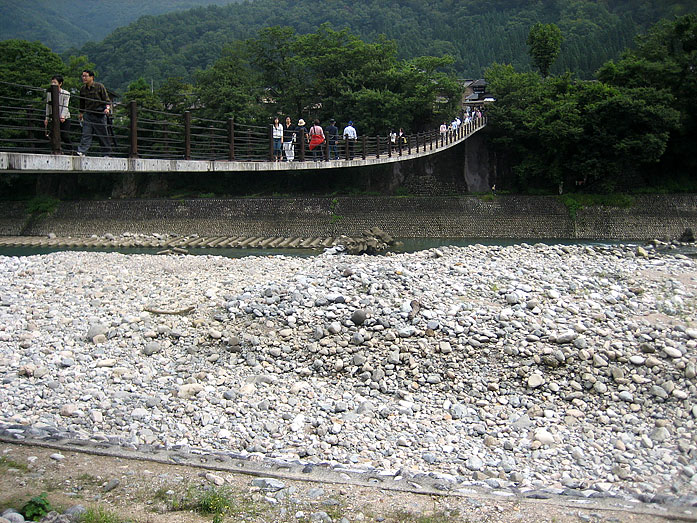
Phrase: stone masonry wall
pixel 505 216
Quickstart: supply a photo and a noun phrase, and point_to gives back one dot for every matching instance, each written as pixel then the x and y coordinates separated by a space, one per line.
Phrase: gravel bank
pixel 568 369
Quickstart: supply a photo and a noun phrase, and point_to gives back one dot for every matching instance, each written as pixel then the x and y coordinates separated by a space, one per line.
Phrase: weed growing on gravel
pixel 100 515
pixel 402 516
pixel 12 464
pixel 36 508
pixel 219 502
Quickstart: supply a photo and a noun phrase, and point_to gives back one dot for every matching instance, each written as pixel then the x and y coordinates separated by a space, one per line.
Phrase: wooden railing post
pixel 409 144
pixel 377 148
pixel 364 142
pixel 133 128
pixel 231 138
pixel 271 143
pixel 55 120
pixel 389 146
pixel 187 135
pixel 249 144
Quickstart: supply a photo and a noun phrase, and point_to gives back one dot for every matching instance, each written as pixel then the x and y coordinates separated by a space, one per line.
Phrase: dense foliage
pixel 475 33
pixel 665 62
pixel 544 42
pixel 633 129
pixel 325 74
pixel 64 24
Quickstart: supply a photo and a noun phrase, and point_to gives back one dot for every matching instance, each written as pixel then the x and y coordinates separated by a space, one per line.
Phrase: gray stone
pixel 111 485
pixel 535 381
pixel 359 316
pixel 152 347
pixel 269 484
pixel 474 463
pixel 96 330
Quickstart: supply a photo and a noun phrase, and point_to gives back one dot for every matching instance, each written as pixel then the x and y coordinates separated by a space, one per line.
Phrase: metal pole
pixel 133 117
pixel 187 135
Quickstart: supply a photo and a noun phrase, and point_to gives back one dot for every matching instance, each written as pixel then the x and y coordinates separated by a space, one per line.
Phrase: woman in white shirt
pixel 277 134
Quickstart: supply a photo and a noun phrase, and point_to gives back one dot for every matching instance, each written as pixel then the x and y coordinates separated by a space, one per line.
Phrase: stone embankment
pixel 528 370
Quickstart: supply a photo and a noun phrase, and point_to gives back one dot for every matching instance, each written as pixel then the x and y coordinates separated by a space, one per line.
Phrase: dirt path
pixel 151 492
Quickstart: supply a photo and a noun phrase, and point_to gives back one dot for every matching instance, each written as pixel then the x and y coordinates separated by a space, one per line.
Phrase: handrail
pixel 137 132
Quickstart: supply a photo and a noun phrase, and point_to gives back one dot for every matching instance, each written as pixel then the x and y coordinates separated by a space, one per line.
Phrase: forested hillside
pixel 475 32
pixel 63 24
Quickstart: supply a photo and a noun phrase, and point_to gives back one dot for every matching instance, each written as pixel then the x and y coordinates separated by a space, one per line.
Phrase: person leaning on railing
pixel 94 107
pixel 64 115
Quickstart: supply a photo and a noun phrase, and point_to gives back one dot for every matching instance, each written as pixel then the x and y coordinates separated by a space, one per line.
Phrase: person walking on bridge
pixel 289 133
pixel 350 136
pixel 94 108
pixel 64 112
pixel 333 139
pixel 277 135
pixel 316 140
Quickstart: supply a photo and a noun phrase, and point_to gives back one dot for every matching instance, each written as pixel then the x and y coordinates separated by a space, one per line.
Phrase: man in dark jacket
pixel 332 133
pixel 94 108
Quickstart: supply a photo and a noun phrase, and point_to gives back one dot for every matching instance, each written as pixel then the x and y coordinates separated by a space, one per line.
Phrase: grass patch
pixel 332 208
pixel 575 202
pixel 12 464
pixel 100 515
pixel 446 516
pixel 220 502
pixel 42 204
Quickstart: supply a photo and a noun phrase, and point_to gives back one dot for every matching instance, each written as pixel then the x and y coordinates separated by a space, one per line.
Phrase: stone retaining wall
pixel 505 216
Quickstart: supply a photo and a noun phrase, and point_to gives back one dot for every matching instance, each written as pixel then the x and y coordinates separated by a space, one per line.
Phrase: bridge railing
pixel 141 132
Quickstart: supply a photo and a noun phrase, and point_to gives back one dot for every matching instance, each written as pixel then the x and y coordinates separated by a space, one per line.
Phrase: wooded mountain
pixel 63 24
pixel 475 32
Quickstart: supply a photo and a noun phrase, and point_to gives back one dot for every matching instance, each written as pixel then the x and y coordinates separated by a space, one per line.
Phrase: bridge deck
pixel 16 162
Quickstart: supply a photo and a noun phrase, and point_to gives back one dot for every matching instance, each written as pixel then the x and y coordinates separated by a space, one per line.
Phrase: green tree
pixel 73 75
pixel 544 45
pixel 176 95
pixel 665 60
pixel 29 64
pixel 334 74
pixel 558 132
pixel 141 92
pixel 231 89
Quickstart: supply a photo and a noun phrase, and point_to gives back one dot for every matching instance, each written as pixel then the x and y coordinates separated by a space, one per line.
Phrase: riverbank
pixel 663 217
pixel 534 369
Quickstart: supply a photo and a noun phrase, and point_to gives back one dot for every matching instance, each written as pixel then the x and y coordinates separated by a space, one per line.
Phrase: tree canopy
pixel 626 131
pixel 475 33
pixel 544 46
pixel 665 62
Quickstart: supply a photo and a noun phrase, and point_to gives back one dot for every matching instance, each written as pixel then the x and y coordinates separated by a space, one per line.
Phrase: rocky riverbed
pixel 566 369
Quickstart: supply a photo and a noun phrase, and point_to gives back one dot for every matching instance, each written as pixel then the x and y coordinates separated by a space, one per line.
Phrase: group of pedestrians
pixel 94 109
pixel 288 138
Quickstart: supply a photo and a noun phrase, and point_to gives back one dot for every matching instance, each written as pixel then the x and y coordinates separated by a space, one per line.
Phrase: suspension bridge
pixel 161 142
